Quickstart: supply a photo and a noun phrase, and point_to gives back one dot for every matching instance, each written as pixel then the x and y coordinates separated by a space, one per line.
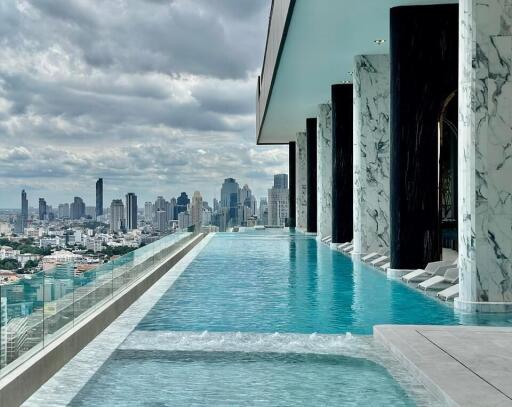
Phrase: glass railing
pixel 40 307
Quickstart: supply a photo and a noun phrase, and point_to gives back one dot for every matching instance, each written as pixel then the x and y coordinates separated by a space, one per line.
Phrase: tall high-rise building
pixel 182 203
pixel 24 212
pixel 148 212
pixel 117 222
pixel 230 198
pixel 184 220
pixel 63 211
pixel 99 197
pixel 281 181
pixel 42 208
pixel 161 221
pixel 197 210
pixel 216 205
pixel 131 211
pixel 172 215
pixel 77 208
pixel 278 200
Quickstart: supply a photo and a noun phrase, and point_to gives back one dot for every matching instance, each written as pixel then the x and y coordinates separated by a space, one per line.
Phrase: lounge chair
pixel 370 256
pixel 379 261
pixel 385 266
pixel 342 245
pixel 324 239
pixel 348 249
pixel 433 268
pixel 449 293
pixel 451 276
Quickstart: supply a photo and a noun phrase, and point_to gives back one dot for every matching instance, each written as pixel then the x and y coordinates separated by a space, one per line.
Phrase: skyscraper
pixel 278 197
pixel 117 216
pixel 197 210
pixel 281 181
pixel 172 215
pixel 131 211
pixel 182 203
pixel 148 212
pixel 99 197
pixel 24 211
pixel 230 198
pixel 161 221
pixel 77 208
pixel 42 208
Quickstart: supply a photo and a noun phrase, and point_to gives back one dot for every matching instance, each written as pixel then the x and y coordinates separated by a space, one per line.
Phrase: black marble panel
pixel 311 174
pixel 342 167
pixel 424 69
pixel 292 185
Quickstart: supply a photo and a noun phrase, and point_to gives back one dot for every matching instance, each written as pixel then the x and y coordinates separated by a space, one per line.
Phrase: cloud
pixel 155 96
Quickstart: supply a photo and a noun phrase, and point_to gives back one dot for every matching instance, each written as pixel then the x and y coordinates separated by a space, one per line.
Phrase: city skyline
pixel 153 123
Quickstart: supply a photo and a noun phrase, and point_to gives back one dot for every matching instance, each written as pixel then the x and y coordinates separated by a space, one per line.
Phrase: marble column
pixel 423 59
pixel 311 129
pixel 292 163
pixel 324 171
pixel 371 154
pixel 342 163
pixel 485 151
pixel 301 183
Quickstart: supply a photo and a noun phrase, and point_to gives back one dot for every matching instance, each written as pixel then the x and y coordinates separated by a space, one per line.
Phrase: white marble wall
pixel 301 182
pixel 371 154
pixel 485 155
pixel 324 171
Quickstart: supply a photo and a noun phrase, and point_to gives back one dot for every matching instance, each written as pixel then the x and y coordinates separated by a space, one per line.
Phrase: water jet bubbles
pixel 204 334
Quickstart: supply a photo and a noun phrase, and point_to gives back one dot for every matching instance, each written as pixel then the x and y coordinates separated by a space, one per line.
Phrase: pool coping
pixel 461 365
pixel 89 355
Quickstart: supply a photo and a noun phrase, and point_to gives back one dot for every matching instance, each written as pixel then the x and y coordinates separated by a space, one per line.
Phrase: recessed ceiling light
pixel 379 41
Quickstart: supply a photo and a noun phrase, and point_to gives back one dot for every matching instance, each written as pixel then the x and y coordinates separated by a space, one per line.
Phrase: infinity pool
pixel 268 318
pixel 275 282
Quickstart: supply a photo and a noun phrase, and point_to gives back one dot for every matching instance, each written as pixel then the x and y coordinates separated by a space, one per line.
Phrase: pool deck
pixel 462 365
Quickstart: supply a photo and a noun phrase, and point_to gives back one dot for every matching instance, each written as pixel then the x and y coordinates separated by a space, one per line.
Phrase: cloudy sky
pixel 155 96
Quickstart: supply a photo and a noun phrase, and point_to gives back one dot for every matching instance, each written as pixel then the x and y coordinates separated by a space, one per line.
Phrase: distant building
pixel 24 212
pixel 77 208
pixel 197 210
pixel 281 181
pixel 42 208
pixel 263 211
pixel 148 212
pixel 182 203
pixel 99 197
pixel 90 212
pixel 131 211
pixel 230 198
pixel 184 220
pixel 161 221
pixel 172 213
pixel 63 211
pixel 278 200
pixel 117 222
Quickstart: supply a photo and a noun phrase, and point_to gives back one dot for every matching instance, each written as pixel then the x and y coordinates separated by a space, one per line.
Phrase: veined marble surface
pixel 371 154
pixel 485 154
pixel 301 189
pixel 324 170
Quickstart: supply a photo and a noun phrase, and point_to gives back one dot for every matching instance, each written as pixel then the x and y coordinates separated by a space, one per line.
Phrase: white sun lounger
pixel 348 249
pixel 380 260
pixel 433 268
pixel 385 266
pixel 449 293
pixel 342 245
pixel 325 239
pixel 370 256
pixel 451 276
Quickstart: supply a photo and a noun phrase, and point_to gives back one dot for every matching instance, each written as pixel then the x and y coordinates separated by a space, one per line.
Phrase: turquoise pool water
pixel 154 378
pixel 275 282
pixel 264 319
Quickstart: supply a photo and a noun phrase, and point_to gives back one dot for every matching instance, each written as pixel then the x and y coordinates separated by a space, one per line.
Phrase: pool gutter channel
pixel 19 384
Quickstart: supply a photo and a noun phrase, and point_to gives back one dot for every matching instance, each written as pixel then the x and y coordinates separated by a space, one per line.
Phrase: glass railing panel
pixel 58 299
pixel 22 315
pixel 40 307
